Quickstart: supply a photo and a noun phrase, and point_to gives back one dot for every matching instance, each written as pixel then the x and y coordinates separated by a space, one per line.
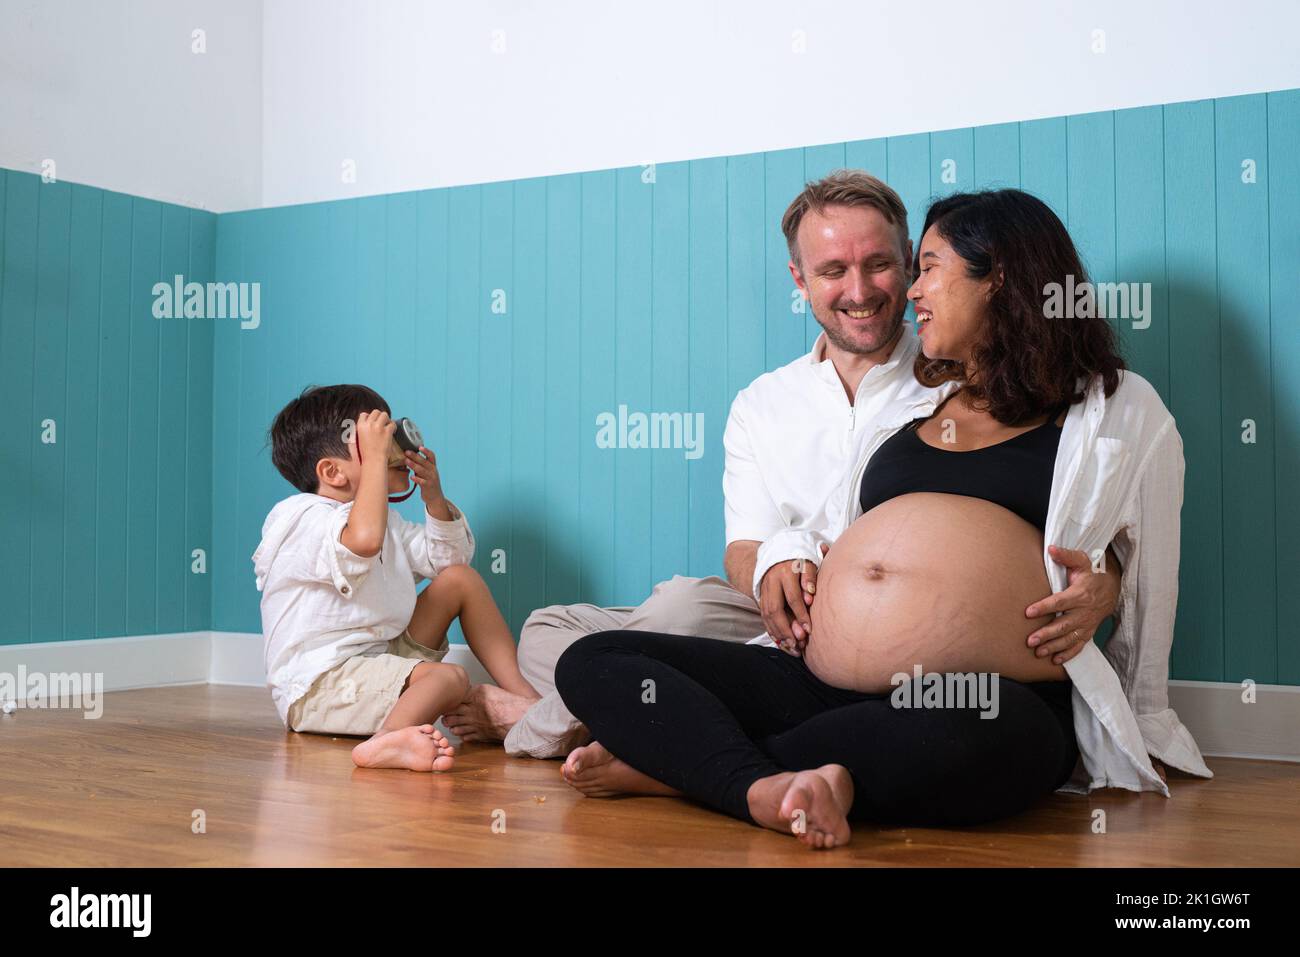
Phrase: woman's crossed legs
pixel 752 732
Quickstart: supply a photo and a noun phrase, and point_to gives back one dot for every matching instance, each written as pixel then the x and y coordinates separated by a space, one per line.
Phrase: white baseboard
pixel 1213 711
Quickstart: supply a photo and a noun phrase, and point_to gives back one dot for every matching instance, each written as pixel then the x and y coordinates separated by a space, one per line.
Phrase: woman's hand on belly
pixel 940 581
pixel 1089 599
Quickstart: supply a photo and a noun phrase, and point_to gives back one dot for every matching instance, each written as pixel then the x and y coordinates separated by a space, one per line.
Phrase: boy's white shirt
pixel 1118 480
pixel 322 603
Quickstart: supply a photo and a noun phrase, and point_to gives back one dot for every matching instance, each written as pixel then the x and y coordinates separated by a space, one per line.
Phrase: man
pixel 791 437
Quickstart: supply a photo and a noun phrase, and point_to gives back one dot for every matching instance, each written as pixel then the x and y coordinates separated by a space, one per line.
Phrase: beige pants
pixel 356 695
pixel 706 607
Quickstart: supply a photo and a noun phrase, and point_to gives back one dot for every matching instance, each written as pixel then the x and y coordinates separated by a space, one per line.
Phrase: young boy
pixel 350 649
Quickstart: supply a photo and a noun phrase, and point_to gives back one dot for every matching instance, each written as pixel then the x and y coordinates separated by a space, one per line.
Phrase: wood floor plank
pixel 122 790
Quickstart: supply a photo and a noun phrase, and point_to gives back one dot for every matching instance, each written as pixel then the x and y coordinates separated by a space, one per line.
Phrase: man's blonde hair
pixel 844 187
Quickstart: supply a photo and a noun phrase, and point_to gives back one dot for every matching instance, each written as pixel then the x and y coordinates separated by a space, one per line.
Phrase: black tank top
pixel 1016 473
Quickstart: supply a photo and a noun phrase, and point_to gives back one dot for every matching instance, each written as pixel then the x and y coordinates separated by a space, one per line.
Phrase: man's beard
pixel 843 343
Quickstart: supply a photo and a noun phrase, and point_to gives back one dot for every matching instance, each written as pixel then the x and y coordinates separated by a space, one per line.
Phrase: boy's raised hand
pixel 424 468
pixel 374 434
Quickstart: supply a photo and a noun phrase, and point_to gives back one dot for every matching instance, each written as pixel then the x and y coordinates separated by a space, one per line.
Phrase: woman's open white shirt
pixel 1118 481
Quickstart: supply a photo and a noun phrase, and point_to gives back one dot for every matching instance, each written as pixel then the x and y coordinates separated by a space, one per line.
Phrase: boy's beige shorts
pixel 354 697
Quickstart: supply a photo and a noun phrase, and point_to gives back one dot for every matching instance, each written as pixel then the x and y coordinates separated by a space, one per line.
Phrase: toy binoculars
pixel 407 438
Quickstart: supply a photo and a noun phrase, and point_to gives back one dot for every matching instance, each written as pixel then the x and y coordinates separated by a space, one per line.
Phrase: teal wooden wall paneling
pixel 633 382
pixel 1283 166
pixel 80 427
pixel 670 322
pixel 1249 591
pixel 493 516
pixel 870 155
pixel 19 434
pixel 567 429
pixel 709 392
pixel 49 403
pixel 1194 387
pixel 818 161
pixel 528 504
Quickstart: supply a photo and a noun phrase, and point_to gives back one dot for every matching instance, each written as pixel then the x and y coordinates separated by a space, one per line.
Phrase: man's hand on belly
pixel 786 594
pixel 1089 599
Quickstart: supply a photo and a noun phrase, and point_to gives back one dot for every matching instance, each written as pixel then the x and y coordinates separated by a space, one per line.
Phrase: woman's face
pixel 951 307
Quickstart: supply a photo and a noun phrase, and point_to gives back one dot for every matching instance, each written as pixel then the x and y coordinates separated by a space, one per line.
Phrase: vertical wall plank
pixel 18 427
pixel 952 162
pixel 598 390
pixel 458 462
pixel 783 327
pixel 1283 167
pixel 909 174
pixel 200 462
pixel 234 602
pixel 173 435
pixel 710 391
pixel 1090 192
pixel 746 282
pixel 1140 240
pixel 568 431
pixel 526 551
pixel 670 361
pixel 869 155
pixel 496 384
pixel 995 152
pixel 1043 162
pixel 141 422
pixel 818 161
pixel 1249 586
pixel 49 399
pixel 81 420
pixel 1194 390
pixel 633 382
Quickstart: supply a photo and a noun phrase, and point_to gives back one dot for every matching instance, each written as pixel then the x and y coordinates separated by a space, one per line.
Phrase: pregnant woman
pixel 1035 433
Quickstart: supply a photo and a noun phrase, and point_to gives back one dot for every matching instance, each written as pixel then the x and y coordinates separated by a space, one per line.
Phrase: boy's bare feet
pixel 417 748
pixel 823 795
pixel 487 713
pixel 595 772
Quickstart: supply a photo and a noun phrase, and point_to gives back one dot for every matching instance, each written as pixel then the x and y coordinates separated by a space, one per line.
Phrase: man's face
pixel 855 274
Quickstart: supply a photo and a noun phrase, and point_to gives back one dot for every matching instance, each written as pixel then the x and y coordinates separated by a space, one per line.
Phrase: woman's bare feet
pixel 595 772
pixel 487 713
pixel 417 748
pixel 812 805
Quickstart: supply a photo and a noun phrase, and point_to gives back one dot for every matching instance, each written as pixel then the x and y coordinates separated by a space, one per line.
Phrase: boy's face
pixel 340 478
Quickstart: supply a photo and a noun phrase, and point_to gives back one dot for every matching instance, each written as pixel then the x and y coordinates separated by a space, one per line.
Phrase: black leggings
pixel 721 715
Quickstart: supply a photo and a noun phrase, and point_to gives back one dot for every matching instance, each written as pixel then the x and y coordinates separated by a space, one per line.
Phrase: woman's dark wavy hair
pixel 1027 363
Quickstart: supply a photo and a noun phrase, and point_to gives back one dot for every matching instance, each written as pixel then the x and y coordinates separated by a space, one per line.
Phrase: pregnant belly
pixel 940 581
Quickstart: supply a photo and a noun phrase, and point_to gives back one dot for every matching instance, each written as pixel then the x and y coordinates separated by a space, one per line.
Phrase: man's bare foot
pixel 417 748
pixel 813 805
pixel 595 772
pixel 487 713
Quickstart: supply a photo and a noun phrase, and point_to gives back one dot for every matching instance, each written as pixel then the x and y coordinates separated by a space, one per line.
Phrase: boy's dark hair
pixel 310 428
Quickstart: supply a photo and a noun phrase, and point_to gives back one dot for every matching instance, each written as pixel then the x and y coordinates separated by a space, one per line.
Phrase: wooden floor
pixel 122 791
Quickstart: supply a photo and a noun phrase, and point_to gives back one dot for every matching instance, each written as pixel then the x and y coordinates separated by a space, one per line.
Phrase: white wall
pixel 413 92
pixel 110 90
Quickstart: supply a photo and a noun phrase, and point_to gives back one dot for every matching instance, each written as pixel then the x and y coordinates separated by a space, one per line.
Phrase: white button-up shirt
pixel 322 603
pixel 1118 481
pixel 792 435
